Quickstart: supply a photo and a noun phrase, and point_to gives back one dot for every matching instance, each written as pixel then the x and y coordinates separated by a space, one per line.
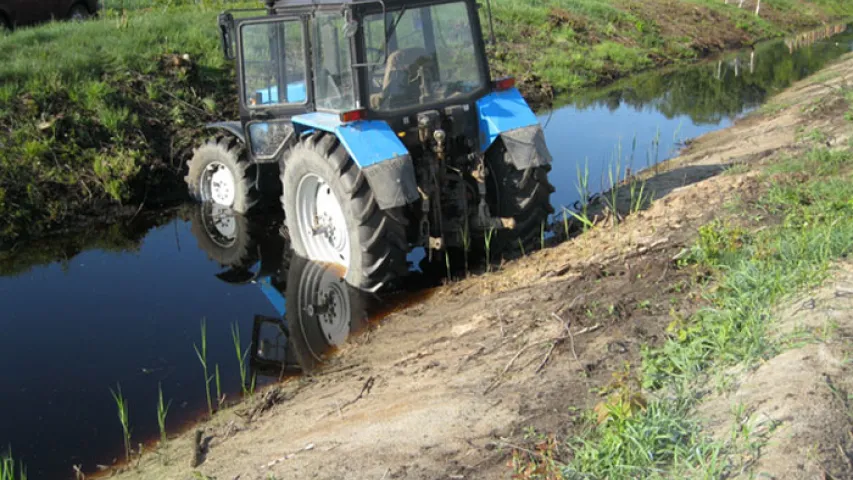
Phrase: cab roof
pixel 285 4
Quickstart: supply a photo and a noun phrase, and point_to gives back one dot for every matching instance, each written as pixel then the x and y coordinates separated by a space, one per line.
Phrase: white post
pixel 752 62
pixel 757 8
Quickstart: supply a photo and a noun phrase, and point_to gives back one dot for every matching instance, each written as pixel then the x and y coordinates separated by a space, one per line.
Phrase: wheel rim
pixel 220 225
pixel 321 222
pixel 218 185
pixel 325 299
pixel 78 14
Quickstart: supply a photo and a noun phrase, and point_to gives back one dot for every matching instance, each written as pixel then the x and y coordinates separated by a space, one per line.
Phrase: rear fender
pixel 506 116
pixel 376 149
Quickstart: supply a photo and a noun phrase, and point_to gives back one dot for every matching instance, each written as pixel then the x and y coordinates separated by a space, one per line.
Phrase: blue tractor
pixel 380 127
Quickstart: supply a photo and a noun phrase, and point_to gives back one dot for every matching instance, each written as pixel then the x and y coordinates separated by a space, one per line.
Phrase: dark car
pixel 18 13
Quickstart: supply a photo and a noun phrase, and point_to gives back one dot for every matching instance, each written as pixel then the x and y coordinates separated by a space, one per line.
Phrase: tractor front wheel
pixel 220 173
pixel 332 216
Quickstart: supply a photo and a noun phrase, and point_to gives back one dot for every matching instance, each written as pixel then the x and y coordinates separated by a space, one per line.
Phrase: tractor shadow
pixel 634 194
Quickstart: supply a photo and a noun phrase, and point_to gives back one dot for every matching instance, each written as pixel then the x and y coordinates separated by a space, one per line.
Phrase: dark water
pixel 645 119
pixel 124 306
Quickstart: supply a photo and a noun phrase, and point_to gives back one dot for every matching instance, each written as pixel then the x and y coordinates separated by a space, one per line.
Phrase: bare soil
pixel 448 387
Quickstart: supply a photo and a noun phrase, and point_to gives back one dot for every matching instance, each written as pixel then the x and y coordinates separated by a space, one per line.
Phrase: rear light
pixel 353 116
pixel 503 84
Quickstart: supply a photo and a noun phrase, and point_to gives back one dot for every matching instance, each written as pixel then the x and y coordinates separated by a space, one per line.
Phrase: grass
pixel 162 412
pixel 804 225
pixel 579 43
pixel 93 113
pixel 242 356
pixel 9 470
pixel 124 419
pixel 487 240
pixel 201 353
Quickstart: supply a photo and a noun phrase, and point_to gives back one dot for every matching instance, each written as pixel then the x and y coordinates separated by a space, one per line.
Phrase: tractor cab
pixel 385 129
pixel 353 61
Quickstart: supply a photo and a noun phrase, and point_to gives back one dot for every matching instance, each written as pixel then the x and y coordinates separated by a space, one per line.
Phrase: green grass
pixel 242 357
pixel 93 113
pixel 805 224
pixel 579 43
pixel 10 470
pixel 162 412
pixel 201 353
pixel 124 419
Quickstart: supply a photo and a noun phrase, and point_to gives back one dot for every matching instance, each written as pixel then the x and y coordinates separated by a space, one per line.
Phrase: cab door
pixel 274 80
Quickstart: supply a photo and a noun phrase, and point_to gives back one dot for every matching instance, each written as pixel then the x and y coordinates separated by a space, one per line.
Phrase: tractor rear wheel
pixel 323 311
pixel 219 172
pixel 523 195
pixel 332 215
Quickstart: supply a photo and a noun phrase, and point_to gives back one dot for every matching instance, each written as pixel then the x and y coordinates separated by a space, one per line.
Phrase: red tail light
pixel 353 116
pixel 504 84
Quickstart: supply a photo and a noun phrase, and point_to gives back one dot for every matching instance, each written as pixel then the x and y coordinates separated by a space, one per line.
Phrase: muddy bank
pixel 455 386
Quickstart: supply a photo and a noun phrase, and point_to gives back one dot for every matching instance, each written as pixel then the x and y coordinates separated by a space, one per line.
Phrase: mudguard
pixel 377 150
pixel 233 128
pixel 507 116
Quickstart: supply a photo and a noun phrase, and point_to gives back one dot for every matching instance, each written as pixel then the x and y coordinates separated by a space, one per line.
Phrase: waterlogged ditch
pixel 125 306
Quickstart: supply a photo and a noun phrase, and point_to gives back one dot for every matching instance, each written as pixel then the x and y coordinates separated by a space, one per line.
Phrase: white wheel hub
pixel 220 224
pixel 324 298
pixel 321 222
pixel 218 185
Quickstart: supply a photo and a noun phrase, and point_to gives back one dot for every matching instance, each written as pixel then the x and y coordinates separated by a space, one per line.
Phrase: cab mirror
pixel 226 31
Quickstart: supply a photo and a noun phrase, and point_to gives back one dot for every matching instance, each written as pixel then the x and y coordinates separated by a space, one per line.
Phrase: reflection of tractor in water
pixel 317 308
pixel 380 123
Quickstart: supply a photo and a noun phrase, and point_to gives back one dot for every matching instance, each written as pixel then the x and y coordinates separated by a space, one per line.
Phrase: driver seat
pixel 400 81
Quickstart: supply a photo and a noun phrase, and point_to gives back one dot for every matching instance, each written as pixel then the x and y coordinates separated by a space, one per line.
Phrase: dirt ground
pixel 448 387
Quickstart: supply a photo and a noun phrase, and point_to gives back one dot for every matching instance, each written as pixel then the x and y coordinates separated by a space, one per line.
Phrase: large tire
pixel 220 172
pixel 523 195
pixel 322 311
pixel 5 25
pixel 321 172
pixel 224 236
pixel 79 13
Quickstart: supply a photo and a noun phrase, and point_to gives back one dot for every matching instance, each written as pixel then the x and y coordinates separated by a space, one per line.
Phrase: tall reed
pixel 488 241
pixel 123 417
pixel 162 411
pixel 242 356
pixel 202 358
pixel 8 470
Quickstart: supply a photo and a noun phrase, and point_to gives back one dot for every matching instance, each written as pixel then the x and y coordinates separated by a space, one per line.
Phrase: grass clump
pixel 162 412
pixel 753 271
pixel 98 114
pixel 124 419
pixel 201 353
pixel 10 470
pixel 806 223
